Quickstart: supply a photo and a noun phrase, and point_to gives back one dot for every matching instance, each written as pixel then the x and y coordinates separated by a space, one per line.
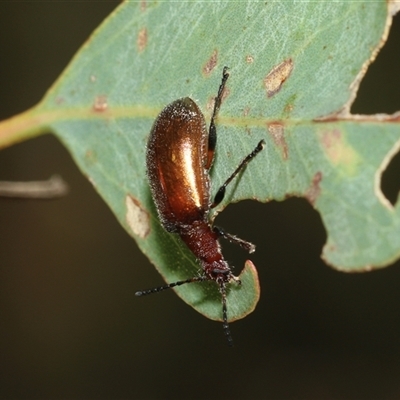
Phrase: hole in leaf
pixel 286 233
pixel 390 179
pixel 380 87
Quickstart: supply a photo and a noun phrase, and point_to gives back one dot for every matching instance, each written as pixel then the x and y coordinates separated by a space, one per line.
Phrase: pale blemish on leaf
pixel 277 76
pixel 142 39
pixel 288 108
pixel 249 59
pixel 289 105
pixel 100 103
pixel 338 152
pixel 137 217
pixel 277 133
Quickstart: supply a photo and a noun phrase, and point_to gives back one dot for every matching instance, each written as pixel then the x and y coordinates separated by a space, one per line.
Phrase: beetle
pixel 179 156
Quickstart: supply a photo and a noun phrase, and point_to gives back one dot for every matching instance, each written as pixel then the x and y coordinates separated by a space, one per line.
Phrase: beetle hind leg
pixel 244 244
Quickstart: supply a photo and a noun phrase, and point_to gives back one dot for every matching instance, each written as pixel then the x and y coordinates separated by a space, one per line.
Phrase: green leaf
pixel 294 71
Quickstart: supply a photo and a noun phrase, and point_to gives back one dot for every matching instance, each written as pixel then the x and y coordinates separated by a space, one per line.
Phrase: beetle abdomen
pixel 176 159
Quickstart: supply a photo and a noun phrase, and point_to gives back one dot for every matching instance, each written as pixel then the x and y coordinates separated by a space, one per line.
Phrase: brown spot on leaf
pixel 314 190
pixel 277 133
pixel 137 217
pixel 211 63
pixel 331 247
pixel 331 138
pixel 100 103
pixel 277 76
pixel 211 100
pixel 225 94
pixel 142 39
pixel 143 5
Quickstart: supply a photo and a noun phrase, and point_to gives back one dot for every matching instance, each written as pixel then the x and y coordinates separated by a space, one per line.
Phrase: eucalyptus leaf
pixel 294 71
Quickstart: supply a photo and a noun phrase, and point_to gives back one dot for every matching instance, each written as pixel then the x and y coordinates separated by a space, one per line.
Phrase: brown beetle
pixel 180 153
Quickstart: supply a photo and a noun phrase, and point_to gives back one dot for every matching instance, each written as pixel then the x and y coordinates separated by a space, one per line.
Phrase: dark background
pixel 70 326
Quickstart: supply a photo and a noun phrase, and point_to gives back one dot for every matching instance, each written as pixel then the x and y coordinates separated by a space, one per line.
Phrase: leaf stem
pixel 20 127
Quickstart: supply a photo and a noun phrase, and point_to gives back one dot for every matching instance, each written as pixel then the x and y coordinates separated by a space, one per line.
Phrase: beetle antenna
pixel 218 99
pixel 212 132
pixel 225 324
pixel 170 286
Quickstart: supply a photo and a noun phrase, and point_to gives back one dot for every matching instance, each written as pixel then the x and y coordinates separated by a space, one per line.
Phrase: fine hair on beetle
pixel 180 153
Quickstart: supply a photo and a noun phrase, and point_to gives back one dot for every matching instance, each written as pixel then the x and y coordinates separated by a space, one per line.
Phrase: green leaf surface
pixel 294 71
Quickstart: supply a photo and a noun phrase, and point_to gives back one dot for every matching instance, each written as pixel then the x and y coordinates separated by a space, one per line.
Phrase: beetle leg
pixel 250 247
pixel 221 191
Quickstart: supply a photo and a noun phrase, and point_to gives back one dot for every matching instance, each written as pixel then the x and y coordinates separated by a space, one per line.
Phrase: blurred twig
pixel 52 188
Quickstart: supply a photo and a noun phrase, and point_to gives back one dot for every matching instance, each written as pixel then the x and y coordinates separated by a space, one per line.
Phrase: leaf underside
pixel 291 65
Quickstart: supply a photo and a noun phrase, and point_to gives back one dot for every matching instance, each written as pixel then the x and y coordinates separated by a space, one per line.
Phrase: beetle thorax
pixel 201 239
